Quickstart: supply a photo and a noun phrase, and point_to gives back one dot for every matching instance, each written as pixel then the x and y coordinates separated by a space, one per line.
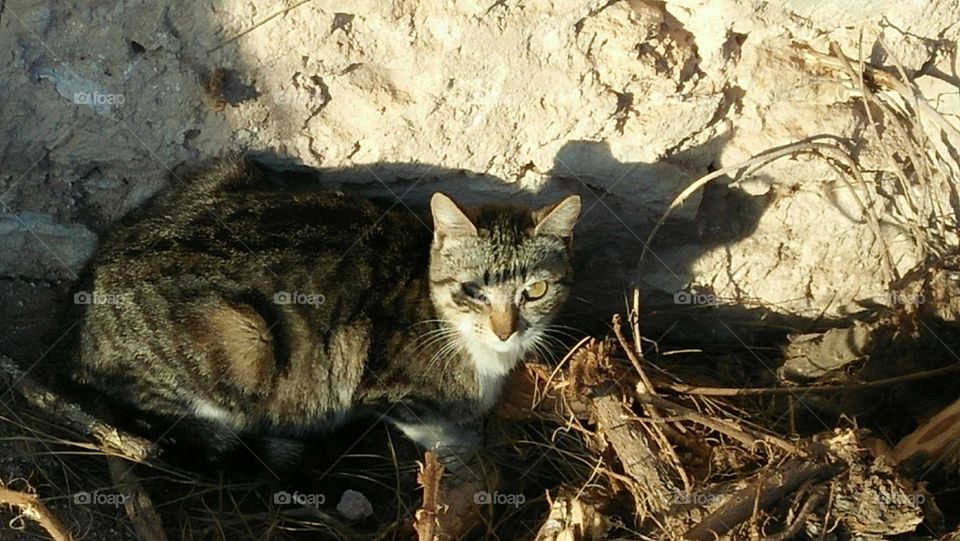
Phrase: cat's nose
pixel 502 334
pixel 504 320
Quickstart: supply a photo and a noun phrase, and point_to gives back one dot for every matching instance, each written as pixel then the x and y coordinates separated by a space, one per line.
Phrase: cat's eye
pixel 473 291
pixel 535 290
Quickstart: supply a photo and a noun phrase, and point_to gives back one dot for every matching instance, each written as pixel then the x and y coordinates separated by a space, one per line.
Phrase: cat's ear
pixel 558 219
pixel 448 219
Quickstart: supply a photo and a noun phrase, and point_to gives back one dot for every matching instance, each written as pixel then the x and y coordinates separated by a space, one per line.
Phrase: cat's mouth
pixel 512 344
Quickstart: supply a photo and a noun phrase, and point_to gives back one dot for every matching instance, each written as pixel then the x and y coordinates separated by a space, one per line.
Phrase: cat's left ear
pixel 558 219
pixel 448 219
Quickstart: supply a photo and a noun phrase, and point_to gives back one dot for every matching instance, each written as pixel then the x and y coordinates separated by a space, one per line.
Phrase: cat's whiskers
pixel 425 322
pixel 541 346
pixel 446 353
pixel 430 337
pixel 560 330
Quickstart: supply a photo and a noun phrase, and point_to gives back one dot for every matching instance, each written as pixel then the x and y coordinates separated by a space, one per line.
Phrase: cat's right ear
pixel 448 219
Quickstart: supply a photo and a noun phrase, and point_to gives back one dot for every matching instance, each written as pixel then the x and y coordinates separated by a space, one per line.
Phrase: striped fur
pixel 251 311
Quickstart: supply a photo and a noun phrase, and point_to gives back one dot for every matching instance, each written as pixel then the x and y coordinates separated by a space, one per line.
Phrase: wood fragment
pixel 635 451
pixel 452 501
pixel 529 394
pixel 31 507
pixel 139 506
pixel 110 439
pixel 572 519
pixel 426 522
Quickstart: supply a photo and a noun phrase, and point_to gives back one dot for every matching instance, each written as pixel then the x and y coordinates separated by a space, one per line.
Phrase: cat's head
pixel 499 274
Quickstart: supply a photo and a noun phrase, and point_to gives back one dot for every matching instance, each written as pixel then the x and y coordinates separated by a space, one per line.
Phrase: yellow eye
pixel 535 290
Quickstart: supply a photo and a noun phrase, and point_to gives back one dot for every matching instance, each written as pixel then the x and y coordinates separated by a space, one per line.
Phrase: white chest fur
pixel 491 366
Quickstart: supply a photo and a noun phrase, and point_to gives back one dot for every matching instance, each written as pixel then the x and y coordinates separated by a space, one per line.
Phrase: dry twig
pixel 137 503
pixel 766 490
pixel 427 517
pixel 111 440
pixel 752 391
pixel 31 507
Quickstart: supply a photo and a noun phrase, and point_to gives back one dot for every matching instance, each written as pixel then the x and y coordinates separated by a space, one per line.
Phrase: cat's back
pixel 244 296
pixel 267 223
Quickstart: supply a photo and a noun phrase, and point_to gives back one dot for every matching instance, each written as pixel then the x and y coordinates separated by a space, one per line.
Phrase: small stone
pixel 354 505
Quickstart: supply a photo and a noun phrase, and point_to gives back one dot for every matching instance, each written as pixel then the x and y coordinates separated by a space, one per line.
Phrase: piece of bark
pixel 933 441
pixel 137 503
pixel 31 508
pixel 110 439
pixel 770 487
pixel 634 449
pixel 572 519
pixel 870 500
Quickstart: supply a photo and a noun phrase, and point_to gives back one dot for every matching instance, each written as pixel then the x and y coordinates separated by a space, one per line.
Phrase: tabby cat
pixel 234 306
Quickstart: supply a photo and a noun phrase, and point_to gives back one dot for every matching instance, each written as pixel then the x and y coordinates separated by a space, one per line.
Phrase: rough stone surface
pixel 626 102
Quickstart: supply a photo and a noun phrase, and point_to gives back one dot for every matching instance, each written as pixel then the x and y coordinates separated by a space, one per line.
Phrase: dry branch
pixel 635 451
pixel 427 523
pixel 111 439
pixel 137 503
pixel 31 508
pixel 801 389
pixel 803 514
pixel 645 386
pixel 748 438
pixel 450 506
pixel 769 488
pixel 908 91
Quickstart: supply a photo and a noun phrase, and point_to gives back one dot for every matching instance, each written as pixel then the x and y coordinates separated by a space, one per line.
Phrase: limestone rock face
pixel 627 102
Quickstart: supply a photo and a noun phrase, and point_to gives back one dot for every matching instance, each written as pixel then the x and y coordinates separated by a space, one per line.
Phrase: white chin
pixel 501 346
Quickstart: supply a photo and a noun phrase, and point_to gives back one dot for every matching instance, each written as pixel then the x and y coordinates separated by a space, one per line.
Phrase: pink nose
pixel 504 321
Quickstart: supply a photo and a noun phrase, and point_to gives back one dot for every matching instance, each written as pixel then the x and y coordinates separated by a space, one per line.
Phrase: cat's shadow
pixel 621 202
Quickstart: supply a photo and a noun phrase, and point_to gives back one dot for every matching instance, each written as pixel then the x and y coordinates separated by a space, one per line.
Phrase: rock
pixel 811 356
pixel 354 505
pixel 34 245
pixel 626 102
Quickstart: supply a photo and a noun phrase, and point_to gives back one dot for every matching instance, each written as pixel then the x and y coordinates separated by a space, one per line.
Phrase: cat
pixel 233 307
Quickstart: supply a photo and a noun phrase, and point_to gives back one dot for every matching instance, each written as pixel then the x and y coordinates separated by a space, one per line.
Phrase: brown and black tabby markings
pixel 247 310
